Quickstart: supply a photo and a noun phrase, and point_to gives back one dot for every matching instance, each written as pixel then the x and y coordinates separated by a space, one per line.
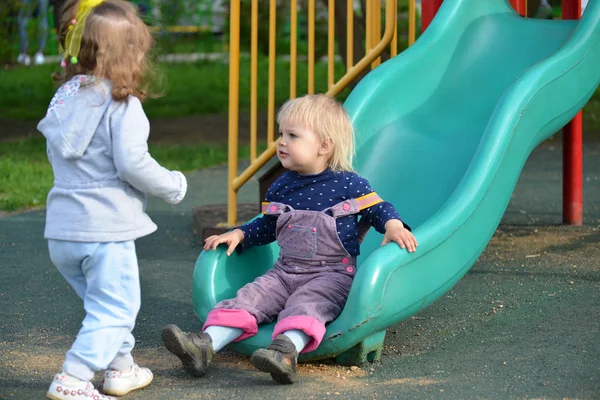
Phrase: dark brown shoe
pixel 279 359
pixel 195 350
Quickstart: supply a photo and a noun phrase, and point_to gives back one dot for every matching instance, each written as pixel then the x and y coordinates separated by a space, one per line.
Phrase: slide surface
pixel 443 131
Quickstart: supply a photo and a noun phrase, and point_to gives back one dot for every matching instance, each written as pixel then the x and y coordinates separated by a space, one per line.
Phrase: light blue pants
pixel 25 10
pixel 106 277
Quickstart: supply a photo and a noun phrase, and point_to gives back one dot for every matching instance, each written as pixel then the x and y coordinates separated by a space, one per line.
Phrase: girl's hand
pixel 232 239
pixel 396 232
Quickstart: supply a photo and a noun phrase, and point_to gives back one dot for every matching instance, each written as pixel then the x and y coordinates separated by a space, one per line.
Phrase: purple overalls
pixel 308 285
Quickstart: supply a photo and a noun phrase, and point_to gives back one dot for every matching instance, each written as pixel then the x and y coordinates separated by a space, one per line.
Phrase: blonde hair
pixel 328 120
pixel 114 45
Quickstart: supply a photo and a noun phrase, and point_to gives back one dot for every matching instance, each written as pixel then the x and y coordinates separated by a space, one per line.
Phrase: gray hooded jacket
pixel 102 169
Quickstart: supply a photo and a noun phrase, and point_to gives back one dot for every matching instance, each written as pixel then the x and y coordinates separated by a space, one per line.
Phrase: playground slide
pixel 443 131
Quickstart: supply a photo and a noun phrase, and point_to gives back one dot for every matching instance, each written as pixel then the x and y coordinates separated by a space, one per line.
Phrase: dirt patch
pixel 39 359
pixel 170 131
pixel 210 129
pixel 15 130
pixel 552 245
pixel 333 374
pixel 48 361
pixel 326 373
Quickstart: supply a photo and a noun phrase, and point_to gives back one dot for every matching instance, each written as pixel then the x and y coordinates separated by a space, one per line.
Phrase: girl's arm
pixel 259 232
pixel 262 230
pixel 383 216
pixel 378 212
pixel 130 129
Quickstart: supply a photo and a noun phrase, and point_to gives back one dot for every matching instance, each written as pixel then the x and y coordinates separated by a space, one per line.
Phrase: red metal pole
pixel 573 172
pixel 520 6
pixel 428 10
pixel 571 9
pixel 572 148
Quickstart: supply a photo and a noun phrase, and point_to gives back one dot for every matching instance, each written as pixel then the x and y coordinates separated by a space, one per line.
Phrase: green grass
pixel 26 175
pixel 171 43
pixel 193 89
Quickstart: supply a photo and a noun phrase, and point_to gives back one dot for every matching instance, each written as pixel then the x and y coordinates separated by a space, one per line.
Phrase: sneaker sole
pixel 171 337
pixel 117 392
pixel 264 361
pixel 53 397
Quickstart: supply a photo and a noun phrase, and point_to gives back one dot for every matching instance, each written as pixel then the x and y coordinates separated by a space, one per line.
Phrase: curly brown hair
pixel 115 45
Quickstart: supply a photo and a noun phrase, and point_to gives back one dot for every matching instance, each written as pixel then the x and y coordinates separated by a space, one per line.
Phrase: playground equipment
pixel 375 45
pixel 454 118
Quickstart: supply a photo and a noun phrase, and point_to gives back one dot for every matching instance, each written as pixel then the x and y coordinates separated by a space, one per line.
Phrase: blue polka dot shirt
pixel 318 192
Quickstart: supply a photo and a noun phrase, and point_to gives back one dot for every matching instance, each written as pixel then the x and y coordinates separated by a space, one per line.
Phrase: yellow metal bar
pixel 394 45
pixel 272 60
pixel 349 34
pixel 390 25
pixel 368 28
pixel 254 81
pixel 311 46
pixel 293 46
pixel 376 25
pixel 234 86
pixel 255 166
pixel 412 22
pixel 331 44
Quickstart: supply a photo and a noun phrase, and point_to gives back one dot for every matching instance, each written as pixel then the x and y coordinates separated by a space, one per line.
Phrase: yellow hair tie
pixel 73 39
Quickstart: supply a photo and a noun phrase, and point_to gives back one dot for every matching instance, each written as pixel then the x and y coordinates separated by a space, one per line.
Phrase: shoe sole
pixel 264 361
pixel 171 337
pixel 53 397
pixel 118 393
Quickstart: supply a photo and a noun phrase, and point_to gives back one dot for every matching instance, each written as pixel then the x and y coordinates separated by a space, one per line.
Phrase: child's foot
pixel 195 350
pixel 68 387
pixel 119 383
pixel 24 59
pixel 279 359
pixel 38 59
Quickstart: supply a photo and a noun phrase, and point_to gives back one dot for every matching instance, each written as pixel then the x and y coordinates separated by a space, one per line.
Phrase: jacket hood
pixel 74 115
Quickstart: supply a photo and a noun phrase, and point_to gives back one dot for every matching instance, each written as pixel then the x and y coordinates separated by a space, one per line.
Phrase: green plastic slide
pixel 443 131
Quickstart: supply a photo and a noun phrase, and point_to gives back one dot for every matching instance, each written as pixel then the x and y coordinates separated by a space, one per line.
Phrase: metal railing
pixel 375 46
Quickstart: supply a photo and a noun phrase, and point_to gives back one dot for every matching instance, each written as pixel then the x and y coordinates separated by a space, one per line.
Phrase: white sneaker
pixel 119 383
pixel 24 59
pixel 38 59
pixel 68 387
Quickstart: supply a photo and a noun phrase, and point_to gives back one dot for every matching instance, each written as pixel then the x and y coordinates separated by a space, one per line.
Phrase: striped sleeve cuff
pixel 368 200
pixel 265 206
